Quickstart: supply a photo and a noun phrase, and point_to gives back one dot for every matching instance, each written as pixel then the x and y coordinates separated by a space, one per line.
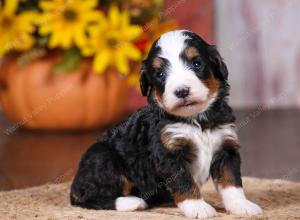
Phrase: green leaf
pixel 70 61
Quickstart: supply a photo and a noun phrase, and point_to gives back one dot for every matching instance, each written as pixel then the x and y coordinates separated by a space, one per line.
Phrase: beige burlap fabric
pixel 279 199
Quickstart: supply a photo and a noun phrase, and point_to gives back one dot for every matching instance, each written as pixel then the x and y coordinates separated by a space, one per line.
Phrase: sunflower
pixel 15 29
pixel 111 42
pixel 66 21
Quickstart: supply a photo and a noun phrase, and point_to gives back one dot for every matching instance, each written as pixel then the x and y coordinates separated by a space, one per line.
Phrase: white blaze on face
pixel 172 45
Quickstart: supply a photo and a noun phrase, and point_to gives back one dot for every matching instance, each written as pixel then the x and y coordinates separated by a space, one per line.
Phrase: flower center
pixel 6 22
pixel 69 15
pixel 112 42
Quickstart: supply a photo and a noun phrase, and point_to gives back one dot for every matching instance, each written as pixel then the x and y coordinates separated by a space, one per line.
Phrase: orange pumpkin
pixel 35 97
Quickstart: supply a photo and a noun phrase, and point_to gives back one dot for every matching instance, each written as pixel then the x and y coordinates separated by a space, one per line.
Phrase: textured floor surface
pixel 279 199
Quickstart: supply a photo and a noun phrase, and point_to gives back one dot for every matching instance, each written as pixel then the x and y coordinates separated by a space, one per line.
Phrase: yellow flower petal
pixel 101 61
pixel 47 5
pixel 80 38
pixel 66 40
pixel 121 63
pixel 94 30
pixel 24 42
pixel 132 52
pixel 54 40
pixel 10 7
pixel 114 15
pixel 45 29
pixel 7 44
pixel 94 17
pixel 89 4
pixel 87 50
pixel 26 19
pixel 124 20
pixel 132 32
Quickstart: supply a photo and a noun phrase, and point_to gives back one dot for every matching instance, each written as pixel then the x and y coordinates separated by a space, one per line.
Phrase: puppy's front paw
pixel 243 207
pixel 197 208
pixel 235 202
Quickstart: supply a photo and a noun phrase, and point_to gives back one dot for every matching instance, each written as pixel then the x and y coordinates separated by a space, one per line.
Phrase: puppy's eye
pixel 196 64
pixel 159 73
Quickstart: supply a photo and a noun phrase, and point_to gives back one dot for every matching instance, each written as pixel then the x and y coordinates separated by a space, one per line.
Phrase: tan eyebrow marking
pixel 157 62
pixel 191 53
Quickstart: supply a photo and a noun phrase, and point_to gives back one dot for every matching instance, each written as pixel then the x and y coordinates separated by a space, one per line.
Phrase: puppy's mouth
pixel 188 107
pixel 187 104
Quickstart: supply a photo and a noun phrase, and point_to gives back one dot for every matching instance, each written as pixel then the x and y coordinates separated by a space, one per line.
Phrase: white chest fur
pixel 207 142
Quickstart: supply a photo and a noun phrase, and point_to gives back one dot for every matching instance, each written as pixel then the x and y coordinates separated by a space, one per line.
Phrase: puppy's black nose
pixel 182 92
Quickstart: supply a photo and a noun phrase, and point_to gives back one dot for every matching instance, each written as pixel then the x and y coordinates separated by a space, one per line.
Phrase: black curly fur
pixel 134 150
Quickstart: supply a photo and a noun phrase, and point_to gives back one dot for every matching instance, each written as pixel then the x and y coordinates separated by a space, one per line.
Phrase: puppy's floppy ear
pixel 144 81
pixel 219 67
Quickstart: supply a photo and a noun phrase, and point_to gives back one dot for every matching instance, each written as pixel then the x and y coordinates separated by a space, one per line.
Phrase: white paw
pixel 130 203
pixel 235 201
pixel 243 207
pixel 193 208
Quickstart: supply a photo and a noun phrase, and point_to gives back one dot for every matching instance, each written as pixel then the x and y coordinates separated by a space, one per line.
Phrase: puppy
pixel 167 150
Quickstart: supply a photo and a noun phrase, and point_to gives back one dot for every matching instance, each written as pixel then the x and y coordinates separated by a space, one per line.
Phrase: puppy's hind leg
pixel 126 202
pixel 101 184
pixel 94 186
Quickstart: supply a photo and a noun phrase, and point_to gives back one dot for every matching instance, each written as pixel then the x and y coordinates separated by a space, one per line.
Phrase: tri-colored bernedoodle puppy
pixel 167 150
